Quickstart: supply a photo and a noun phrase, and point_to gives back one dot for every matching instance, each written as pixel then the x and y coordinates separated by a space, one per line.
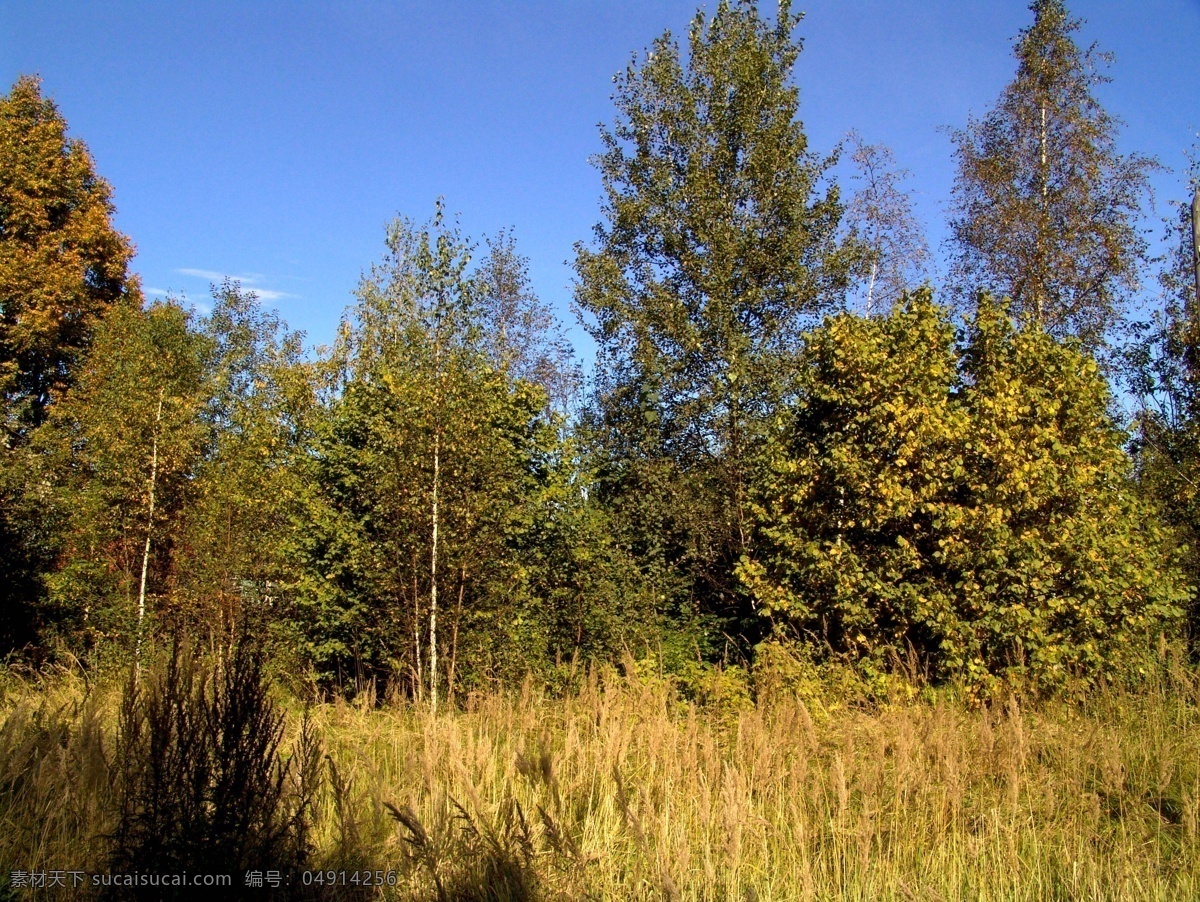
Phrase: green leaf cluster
pixel 969 502
pixel 719 238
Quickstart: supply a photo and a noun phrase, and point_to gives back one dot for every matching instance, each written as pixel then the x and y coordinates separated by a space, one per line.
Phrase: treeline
pixel 788 434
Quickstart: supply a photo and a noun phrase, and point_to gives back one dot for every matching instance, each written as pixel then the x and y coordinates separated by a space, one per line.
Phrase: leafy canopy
pixel 1045 210
pixel 717 241
pixel 971 503
pixel 62 264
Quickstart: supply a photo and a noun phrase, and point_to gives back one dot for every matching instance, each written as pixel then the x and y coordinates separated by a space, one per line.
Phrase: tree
pixel 424 466
pixel 246 489
pixel 880 215
pixel 716 246
pixel 522 337
pixel 62 264
pixel 970 503
pixel 1162 370
pixel 114 464
pixel 1045 209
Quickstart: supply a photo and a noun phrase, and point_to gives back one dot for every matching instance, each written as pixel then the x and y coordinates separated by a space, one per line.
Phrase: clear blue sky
pixel 273 140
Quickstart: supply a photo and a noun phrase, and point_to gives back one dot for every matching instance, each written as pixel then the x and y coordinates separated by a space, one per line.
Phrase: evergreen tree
pixel 62 264
pixel 1045 209
pixel 716 245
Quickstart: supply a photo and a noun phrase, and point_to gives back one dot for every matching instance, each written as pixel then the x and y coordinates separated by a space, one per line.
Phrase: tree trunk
pixel 433 599
pixel 418 678
pixel 1196 243
pixel 137 654
pixel 1040 275
pixel 462 583
pixel 1191 312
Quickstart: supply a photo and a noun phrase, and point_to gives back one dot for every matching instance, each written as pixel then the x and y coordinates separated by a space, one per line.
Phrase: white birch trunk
pixel 433 599
pixel 137 655
pixel 1037 295
pixel 1196 241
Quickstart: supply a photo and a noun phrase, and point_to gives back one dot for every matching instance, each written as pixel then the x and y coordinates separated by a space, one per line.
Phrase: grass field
pixel 621 789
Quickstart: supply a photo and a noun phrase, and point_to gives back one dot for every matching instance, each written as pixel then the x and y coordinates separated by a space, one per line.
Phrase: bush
pixel 968 502
pixel 201 782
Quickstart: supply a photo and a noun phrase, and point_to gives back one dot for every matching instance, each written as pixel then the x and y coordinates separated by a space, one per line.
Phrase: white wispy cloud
pixel 211 274
pixel 250 281
pixel 156 292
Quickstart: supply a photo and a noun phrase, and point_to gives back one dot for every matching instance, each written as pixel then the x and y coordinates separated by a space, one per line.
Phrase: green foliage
pixel 257 401
pixel 969 503
pixel 27 536
pixel 129 428
pixel 582 587
pixel 1162 371
pixel 1045 210
pixel 62 264
pixel 421 503
pixel 431 430
pixel 522 337
pixel 717 243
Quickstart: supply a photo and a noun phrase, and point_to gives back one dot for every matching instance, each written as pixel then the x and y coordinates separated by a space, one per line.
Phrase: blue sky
pixel 273 140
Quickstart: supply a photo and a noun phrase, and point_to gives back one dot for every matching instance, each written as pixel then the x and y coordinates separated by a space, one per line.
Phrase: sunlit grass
pixel 621 790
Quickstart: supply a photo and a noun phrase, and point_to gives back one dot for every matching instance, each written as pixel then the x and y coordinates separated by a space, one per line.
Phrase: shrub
pixel 201 782
pixel 968 502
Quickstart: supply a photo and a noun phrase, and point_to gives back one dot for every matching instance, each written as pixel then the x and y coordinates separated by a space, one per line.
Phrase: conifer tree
pixel 1045 209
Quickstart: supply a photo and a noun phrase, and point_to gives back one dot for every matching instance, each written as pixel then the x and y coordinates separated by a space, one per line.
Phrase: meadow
pixel 766 786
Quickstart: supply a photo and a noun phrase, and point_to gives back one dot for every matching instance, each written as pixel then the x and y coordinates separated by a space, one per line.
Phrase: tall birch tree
pixel 114 464
pixel 1046 210
pixel 425 463
pixel 880 216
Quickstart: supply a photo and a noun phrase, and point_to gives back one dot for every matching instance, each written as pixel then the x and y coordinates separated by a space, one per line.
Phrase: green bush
pixel 967 502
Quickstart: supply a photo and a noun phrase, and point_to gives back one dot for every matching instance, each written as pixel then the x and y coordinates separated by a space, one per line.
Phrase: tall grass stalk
pixel 623 790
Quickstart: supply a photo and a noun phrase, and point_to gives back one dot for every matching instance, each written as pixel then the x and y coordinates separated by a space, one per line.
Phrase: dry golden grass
pixel 623 791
